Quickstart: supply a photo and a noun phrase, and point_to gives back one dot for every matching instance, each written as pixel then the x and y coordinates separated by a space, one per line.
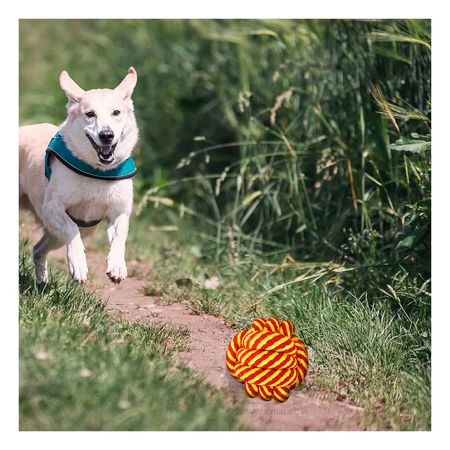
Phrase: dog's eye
pixel 90 114
pixel 116 112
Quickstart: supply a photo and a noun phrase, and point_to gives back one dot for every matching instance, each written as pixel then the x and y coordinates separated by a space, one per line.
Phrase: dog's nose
pixel 106 135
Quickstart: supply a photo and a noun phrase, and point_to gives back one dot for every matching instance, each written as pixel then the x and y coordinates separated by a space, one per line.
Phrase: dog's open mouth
pixel 105 152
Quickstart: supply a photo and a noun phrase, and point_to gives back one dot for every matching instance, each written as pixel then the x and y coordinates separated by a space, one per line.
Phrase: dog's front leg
pixel 59 224
pixel 117 232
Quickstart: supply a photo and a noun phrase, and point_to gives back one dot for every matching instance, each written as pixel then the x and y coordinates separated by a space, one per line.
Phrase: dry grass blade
pixel 383 105
pixel 284 97
pixel 352 184
pixel 392 110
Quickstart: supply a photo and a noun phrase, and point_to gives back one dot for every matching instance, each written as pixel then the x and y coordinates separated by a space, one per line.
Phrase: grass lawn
pixel 81 369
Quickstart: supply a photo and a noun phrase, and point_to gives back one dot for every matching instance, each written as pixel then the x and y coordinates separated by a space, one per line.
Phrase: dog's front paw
pixel 116 269
pixel 76 261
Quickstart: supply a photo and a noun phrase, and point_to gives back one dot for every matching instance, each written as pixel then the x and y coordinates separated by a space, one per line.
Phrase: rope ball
pixel 268 358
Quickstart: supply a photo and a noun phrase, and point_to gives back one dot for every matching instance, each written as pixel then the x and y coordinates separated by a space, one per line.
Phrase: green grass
pixel 81 369
pixel 366 353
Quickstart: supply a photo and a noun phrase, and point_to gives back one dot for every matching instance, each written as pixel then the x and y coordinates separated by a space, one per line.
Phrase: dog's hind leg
pixel 59 224
pixel 40 252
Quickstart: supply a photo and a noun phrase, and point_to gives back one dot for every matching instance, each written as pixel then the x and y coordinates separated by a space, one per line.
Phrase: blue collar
pixel 58 148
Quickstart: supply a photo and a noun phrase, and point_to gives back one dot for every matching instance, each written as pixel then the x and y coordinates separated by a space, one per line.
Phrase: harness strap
pixel 84 223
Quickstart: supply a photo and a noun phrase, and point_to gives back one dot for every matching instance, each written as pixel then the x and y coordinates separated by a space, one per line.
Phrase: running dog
pixel 73 176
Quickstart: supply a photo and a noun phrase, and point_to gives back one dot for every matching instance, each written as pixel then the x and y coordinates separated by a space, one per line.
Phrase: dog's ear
pixel 72 90
pixel 127 85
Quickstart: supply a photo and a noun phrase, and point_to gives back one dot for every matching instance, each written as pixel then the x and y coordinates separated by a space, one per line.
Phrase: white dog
pixel 73 177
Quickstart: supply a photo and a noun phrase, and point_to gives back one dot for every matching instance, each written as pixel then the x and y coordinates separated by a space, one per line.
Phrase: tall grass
pixel 327 146
pixel 279 134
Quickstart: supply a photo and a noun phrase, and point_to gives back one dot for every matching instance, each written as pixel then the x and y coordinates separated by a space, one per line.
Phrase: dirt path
pixel 210 336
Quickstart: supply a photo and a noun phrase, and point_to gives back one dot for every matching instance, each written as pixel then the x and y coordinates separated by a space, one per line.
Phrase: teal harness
pixel 58 148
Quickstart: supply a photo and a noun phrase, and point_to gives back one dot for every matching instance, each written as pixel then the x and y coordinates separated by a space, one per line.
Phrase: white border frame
pixel 229 9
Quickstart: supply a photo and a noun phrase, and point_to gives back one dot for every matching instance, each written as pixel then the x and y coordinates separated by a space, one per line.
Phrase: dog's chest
pixel 94 200
pixel 87 212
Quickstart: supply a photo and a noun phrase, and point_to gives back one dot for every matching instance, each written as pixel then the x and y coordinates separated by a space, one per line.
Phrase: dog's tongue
pixel 105 150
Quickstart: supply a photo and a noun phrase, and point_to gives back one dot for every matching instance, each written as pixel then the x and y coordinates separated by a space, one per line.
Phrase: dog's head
pixel 100 128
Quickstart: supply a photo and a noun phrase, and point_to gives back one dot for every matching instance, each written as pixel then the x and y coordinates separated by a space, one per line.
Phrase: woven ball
pixel 268 358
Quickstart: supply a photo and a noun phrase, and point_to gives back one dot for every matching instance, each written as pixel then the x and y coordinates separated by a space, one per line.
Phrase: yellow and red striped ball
pixel 268 358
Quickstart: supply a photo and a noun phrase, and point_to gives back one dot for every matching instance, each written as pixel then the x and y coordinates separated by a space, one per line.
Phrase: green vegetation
pixel 292 159
pixel 83 370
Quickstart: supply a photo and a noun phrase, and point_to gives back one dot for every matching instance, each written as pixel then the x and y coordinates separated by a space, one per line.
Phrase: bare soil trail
pixel 209 338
